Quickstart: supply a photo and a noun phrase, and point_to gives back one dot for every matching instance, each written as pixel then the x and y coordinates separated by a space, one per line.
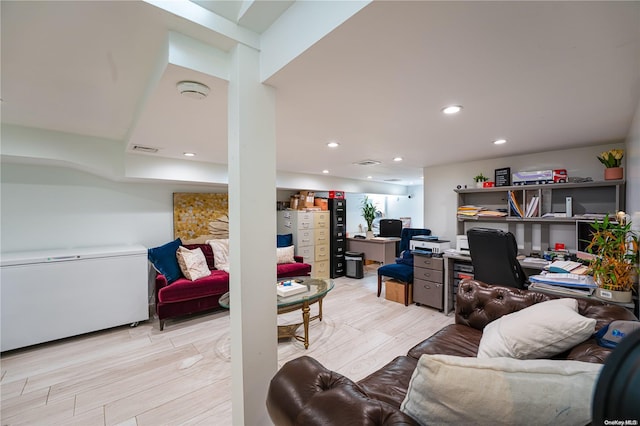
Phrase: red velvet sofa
pixel 184 296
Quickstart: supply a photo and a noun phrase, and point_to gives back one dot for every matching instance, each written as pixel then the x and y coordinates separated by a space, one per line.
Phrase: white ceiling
pixel 543 75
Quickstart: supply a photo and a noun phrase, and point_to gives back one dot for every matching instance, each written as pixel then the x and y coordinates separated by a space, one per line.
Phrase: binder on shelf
pixel 532 207
pixel 513 203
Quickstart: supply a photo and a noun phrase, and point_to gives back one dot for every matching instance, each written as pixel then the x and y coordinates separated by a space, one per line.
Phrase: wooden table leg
pixel 320 309
pixel 305 322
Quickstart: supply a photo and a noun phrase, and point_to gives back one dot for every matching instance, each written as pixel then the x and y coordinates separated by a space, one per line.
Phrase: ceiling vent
pixel 367 163
pixel 147 149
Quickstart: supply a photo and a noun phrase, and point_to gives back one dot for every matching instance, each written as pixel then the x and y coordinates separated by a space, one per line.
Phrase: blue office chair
pixel 402 270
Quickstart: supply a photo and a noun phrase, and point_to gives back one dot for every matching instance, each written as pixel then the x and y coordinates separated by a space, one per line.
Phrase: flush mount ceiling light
pixel 397 159
pixel 193 89
pixel 500 141
pixel 452 109
pixel 325 171
pixel 333 144
pixel 189 154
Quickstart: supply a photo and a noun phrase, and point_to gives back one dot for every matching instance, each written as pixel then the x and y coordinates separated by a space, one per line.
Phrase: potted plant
pixel 612 160
pixel 615 263
pixel 480 179
pixel 369 213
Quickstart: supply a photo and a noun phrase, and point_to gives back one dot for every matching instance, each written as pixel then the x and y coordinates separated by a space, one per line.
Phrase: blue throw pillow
pixel 165 261
pixel 285 240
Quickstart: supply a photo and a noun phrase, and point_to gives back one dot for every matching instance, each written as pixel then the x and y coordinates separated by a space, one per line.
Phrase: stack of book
pixel 563 283
pixel 568 267
pixel 289 288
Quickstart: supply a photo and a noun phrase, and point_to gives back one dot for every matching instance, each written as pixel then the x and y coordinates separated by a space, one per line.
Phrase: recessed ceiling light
pixel 333 144
pixel 369 177
pixel 397 159
pixel 452 109
pixel 193 89
pixel 189 154
pixel 500 141
pixel 325 171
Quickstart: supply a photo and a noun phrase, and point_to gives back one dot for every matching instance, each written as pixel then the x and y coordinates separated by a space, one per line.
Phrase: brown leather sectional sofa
pixel 304 392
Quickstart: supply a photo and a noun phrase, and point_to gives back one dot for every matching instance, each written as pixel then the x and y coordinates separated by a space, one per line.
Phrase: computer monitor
pixel 390 227
pixel 584 234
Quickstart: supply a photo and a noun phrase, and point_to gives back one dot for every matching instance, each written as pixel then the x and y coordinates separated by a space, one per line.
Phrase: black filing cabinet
pixel 337 235
pixel 428 281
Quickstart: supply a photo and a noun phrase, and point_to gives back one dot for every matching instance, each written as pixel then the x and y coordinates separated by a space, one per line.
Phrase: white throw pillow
pixel 220 253
pixel 450 390
pixel 285 254
pixel 538 331
pixel 192 263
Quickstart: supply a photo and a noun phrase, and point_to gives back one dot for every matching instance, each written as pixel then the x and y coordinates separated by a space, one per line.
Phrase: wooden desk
pixel 382 250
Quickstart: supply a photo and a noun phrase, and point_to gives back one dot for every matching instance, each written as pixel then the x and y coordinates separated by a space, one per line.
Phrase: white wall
pixel 50 206
pixel 54 207
pixel 410 205
pixel 440 200
pixel 633 171
pixel 392 206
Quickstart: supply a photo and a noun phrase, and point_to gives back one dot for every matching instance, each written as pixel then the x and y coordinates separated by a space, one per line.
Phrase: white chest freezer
pixel 49 295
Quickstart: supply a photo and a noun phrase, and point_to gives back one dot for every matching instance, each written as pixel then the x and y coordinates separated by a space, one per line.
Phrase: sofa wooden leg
pixel 161 325
pixel 379 285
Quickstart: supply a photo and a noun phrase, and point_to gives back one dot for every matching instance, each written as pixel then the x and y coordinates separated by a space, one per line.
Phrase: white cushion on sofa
pixel 448 390
pixel 538 331
pixel 192 263
pixel 220 249
pixel 285 254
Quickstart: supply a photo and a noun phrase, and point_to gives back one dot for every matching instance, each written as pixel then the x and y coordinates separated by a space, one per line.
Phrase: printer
pixel 428 243
pixel 462 244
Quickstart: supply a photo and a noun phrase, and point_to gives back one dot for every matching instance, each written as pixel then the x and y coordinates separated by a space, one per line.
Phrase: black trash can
pixel 355 264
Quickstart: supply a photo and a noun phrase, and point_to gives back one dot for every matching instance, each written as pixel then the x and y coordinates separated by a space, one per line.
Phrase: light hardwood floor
pixel 182 376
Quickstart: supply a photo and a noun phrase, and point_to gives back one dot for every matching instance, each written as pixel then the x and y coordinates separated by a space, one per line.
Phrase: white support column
pixel 252 233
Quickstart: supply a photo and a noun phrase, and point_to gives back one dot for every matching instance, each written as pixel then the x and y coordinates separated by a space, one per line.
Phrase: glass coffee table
pixel 317 289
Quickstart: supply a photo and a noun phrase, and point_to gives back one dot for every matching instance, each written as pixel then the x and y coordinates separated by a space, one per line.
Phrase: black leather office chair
pixel 493 255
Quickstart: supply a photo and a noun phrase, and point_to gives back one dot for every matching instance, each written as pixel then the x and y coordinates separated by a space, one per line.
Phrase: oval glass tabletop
pixel 315 288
